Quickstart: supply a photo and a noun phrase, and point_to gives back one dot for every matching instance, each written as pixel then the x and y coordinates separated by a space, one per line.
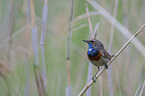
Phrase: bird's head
pixel 91 42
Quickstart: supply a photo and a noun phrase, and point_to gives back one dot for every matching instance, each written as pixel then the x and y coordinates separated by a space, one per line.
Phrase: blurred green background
pixel 16 56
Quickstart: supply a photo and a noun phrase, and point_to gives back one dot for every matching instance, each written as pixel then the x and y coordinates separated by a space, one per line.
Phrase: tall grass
pixel 43 31
pixel 38 76
pixel 68 50
pixel 16 41
pixel 88 93
pixel 110 80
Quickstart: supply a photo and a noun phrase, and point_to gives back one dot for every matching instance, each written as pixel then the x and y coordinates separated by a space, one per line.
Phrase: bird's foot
pixel 94 79
pixel 112 55
pixel 106 66
pixel 95 75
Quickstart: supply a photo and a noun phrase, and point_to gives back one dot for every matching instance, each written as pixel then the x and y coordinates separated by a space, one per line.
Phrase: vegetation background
pixel 16 56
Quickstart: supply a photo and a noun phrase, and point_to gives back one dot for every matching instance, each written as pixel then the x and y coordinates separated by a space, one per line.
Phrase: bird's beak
pixel 85 41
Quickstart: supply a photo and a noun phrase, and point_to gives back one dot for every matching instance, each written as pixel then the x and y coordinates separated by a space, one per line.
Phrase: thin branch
pixel 27 76
pixel 89 20
pixel 44 23
pixel 88 93
pixel 142 88
pixel 116 55
pixel 38 75
pixel 26 10
pixel 34 34
pixel 94 36
pixel 32 13
pixel 83 16
pixel 14 35
pixel 139 87
pixel 81 26
pixel 110 81
pixel 39 80
pixel 119 86
pixel 96 30
pixel 43 31
pixel 10 33
pixel 68 88
pixel 90 65
pixel 112 27
pixel 100 86
pixel 10 29
pixel 44 70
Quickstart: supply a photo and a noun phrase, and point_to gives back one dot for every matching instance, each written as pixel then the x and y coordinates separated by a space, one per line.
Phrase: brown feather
pixel 96 58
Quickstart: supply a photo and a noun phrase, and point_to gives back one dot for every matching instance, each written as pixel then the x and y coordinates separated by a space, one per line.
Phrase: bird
pixel 97 54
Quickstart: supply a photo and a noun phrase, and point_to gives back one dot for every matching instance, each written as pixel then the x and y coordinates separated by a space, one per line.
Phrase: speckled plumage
pixel 97 55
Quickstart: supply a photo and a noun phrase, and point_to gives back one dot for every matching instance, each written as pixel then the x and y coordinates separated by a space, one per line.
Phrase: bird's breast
pixel 94 56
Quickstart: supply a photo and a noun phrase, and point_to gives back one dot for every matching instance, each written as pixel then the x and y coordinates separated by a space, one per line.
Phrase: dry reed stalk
pixel 81 26
pixel 96 30
pixel 110 81
pixel 27 77
pixel 43 31
pixel 68 88
pixel 26 11
pixel 139 87
pixel 116 55
pixel 90 65
pixel 93 35
pixel 142 88
pixel 39 80
pixel 84 16
pixel 119 86
pixel 4 69
pixel 89 20
pixel 137 90
pixel 38 75
pixel 14 35
pixel 44 23
pixel 9 49
pixel 112 27
pixel 10 29
pixel 101 86
pixel 88 93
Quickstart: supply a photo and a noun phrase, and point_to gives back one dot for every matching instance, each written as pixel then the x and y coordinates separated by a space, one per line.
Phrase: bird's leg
pixel 106 66
pixel 95 74
pixel 112 55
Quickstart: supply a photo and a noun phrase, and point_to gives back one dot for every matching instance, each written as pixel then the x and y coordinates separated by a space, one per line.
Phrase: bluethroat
pixel 97 55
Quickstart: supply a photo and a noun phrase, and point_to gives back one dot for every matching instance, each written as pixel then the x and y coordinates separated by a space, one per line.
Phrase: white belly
pixel 100 62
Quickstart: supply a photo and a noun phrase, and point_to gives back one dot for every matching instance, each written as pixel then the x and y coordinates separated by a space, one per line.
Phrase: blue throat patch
pixel 91 51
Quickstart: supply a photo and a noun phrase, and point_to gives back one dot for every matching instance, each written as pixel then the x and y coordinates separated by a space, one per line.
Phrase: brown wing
pixel 106 54
pixel 101 48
